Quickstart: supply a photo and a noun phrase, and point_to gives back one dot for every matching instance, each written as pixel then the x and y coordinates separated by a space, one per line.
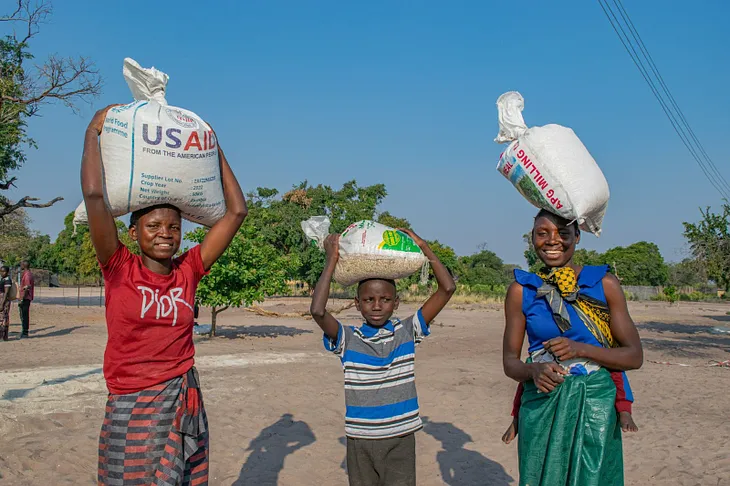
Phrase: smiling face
pixel 554 240
pixel 377 300
pixel 158 233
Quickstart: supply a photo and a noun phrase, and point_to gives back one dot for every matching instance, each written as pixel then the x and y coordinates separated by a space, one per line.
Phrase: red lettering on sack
pixel 193 141
pixel 530 167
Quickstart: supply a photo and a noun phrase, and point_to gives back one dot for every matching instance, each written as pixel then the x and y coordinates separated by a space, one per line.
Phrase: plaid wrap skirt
pixel 158 436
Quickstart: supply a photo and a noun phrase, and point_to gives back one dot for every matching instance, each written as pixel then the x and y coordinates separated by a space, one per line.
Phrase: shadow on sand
pixel 270 448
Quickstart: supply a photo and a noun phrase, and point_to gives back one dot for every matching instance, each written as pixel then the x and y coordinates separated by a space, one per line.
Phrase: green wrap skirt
pixel 571 436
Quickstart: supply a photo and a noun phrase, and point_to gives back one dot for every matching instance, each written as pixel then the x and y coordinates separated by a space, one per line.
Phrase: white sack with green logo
pixel 368 250
pixel 154 153
pixel 551 167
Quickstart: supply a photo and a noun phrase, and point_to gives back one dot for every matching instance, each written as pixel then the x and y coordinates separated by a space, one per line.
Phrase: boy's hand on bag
pixel 97 123
pixel 416 239
pixel 332 247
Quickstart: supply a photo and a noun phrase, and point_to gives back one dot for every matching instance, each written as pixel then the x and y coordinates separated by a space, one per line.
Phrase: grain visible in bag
pixel 369 250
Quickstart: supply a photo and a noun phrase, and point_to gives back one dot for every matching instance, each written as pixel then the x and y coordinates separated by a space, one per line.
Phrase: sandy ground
pixel 275 399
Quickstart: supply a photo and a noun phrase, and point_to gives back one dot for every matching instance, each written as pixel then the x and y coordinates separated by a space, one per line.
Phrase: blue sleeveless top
pixel 539 321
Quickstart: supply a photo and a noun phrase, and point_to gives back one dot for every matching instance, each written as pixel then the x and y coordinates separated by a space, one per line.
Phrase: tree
pixel 670 293
pixel 709 241
pixel 585 257
pixel 73 253
pixel 445 254
pixel 250 270
pixel 38 250
pixel 24 90
pixel 484 268
pixel 509 271
pixel 393 221
pixel 18 242
pixel 638 264
pixel 15 237
pixel 533 261
pixel 687 273
pixel 277 220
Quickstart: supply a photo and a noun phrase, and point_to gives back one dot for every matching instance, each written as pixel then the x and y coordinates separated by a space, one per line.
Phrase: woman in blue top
pixel 578 327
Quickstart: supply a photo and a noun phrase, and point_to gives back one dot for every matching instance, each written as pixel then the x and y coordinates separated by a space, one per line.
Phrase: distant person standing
pixel 6 285
pixel 27 288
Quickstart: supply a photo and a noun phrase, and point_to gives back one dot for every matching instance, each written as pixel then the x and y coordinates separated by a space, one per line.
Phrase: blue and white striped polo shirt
pixel 380 386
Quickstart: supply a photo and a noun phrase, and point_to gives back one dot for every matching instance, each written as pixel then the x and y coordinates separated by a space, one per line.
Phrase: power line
pixel 652 65
pixel 678 121
pixel 618 28
pixel 681 129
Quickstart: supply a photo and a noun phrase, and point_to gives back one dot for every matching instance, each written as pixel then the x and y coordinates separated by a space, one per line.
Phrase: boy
pixel 378 359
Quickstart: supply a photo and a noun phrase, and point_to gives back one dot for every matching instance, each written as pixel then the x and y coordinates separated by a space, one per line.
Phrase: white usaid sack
pixel 551 167
pixel 368 250
pixel 154 153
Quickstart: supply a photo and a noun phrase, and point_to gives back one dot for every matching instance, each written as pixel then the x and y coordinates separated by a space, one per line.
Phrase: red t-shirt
pixel 27 280
pixel 149 319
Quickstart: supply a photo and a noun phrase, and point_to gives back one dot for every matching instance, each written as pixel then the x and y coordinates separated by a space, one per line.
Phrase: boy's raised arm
pixel 318 309
pixel 446 284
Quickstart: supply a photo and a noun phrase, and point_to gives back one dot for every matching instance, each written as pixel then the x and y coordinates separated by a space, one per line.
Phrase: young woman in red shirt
pixel 155 427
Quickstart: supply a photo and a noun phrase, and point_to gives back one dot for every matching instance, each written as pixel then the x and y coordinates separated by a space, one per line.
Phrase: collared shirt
pixel 380 388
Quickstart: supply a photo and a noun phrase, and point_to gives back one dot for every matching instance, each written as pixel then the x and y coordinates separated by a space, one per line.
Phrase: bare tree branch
pixel 25 89
pixel 8 184
pixel 14 16
pixel 32 14
pixel 67 80
pixel 26 202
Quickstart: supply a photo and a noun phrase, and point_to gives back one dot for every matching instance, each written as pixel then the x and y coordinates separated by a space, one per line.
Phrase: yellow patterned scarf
pixel 561 287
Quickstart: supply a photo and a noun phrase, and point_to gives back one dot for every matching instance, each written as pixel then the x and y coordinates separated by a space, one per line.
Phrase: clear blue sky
pixel 404 93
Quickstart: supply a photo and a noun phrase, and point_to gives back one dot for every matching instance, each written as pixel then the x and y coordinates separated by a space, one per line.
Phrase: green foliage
pixel 493 291
pixel 446 255
pixel 670 293
pixel 25 87
pixel 585 257
pixel 12 115
pixel 250 270
pixel 533 261
pixel 15 238
pixel 393 221
pixel 687 273
pixel 484 268
pixel 73 254
pixel 637 264
pixel 278 220
pixel 709 240
pixel 697 297
pixel 465 294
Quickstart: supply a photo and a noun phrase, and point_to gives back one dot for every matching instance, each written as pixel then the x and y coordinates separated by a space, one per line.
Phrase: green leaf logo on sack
pixel 397 241
pixel 368 250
